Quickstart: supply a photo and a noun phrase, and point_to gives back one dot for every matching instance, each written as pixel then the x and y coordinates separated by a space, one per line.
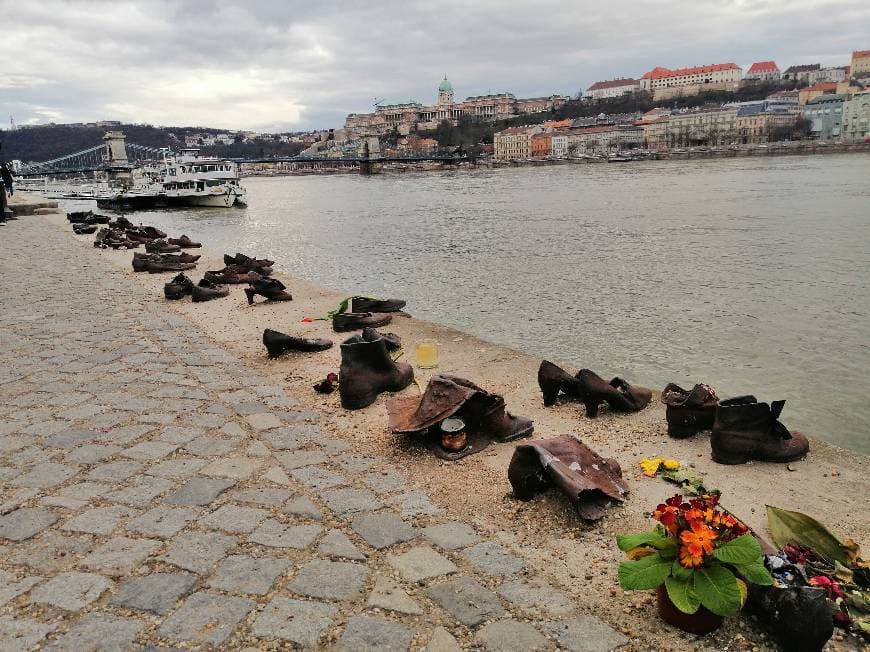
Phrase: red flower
pixel 307 320
pixel 832 589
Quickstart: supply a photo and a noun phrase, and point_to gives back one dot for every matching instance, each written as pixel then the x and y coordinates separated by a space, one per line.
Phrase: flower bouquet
pixel 698 558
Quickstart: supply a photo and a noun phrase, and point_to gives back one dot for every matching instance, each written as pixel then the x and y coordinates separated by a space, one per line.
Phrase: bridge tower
pixel 120 171
pixel 371 146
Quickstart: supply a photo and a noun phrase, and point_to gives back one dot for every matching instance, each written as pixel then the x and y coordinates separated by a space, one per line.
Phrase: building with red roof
pixel 763 71
pixel 665 83
pixel 611 88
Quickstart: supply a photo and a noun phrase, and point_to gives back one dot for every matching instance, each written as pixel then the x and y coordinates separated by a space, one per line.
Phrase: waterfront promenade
pixel 164 486
pixel 156 490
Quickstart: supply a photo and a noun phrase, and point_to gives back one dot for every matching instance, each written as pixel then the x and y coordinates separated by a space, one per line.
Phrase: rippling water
pixel 748 274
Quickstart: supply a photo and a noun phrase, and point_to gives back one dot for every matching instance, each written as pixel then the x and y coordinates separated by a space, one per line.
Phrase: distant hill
pixel 42 143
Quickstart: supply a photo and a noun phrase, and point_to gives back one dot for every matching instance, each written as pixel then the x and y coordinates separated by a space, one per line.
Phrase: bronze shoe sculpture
pixel 206 291
pixel 367 370
pixel 618 394
pixel 271 288
pixel 554 380
pixel 351 321
pixel 593 483
pixel 277 344
pixel 178 288
pixel 752 431
pixel 689 412
pixel 184 242
pixel 483 414
pixel 367 304
pixel 225 277
pixel 160 247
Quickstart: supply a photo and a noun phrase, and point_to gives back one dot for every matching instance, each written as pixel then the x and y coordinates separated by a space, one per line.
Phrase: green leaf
pixel 793 527
pixel 645 573
pixel 756 573
pixel 682 595
pixel 742 550
pixel 717 588
pixel 628 542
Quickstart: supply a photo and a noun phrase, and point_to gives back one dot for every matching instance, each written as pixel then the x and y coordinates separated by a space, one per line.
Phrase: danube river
pixel 748 274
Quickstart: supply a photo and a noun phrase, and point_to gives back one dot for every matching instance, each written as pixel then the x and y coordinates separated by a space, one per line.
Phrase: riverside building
pixel 665 83
pixel 413 115
pixel 763 71
pixel 856 117
pixel 825 114
pixel 611 88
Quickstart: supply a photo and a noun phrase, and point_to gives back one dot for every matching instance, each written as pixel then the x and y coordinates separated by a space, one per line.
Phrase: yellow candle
pixel 427 354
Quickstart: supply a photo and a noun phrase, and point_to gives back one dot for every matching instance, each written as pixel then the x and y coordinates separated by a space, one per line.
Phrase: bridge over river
pixel 118 158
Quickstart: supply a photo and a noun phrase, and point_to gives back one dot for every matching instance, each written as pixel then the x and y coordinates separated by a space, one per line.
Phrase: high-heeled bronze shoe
pixel 618 394
pixel 554 380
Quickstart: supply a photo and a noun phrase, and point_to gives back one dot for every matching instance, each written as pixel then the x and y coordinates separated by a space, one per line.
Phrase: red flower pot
pixel 700 622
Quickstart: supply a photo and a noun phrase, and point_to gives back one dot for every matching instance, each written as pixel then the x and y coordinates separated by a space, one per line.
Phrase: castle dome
pixel 445 86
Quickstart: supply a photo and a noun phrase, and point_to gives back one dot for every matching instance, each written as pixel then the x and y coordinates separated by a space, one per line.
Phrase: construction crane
pixel 378 102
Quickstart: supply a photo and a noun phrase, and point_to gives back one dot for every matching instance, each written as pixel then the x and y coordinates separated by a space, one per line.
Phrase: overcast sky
pixel 280 65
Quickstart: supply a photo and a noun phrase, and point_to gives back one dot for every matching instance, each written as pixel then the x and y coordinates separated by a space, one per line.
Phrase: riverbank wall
pixel 808 148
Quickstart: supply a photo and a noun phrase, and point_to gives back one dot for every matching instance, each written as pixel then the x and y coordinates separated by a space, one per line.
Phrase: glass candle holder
pixel 427 354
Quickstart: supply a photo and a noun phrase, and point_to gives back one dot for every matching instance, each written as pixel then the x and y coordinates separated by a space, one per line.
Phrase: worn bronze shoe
pixel 247 262
pixel 488 415
pixel 277 344
pixel 393 341
pixel 178 288
pixel 690 412
pixel 752 431
pixel 224 277
pixel 351 321
pixel 160 246
pixel 554 380
pixel 206 291
pixel 271 288
pixel 83 228
pixel 618 394
pixel 367 304
pixel 367 370
pixel 184 242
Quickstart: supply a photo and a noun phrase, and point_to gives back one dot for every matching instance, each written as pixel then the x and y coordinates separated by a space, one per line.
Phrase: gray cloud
pixel 296 65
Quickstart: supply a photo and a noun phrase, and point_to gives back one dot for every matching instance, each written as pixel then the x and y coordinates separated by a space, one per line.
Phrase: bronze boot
pixel 367 370
pixel 753 431
pixel 690 412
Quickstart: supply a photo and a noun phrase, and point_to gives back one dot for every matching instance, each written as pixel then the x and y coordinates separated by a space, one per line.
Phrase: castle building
pixel 665 83
pixel 414 115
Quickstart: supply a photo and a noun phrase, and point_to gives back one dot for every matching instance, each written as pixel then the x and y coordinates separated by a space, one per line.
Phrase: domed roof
pixel 445 86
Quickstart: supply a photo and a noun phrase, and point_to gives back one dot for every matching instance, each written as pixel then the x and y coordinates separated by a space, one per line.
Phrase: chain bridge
pixel 115 155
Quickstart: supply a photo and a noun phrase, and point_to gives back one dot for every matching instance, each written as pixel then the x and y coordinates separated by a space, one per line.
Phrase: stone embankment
pixel 162 485
pixel 741 151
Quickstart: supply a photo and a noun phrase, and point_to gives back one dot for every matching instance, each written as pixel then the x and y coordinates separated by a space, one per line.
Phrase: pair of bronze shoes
pixel 590 389
pixel 483 415
pixel 742 428
pixel 365 312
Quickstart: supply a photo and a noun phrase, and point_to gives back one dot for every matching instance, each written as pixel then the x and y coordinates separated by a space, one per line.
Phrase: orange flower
pixel 307 320
pixel 696 543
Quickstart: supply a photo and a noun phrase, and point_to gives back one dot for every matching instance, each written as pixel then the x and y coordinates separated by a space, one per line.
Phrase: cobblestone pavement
pixel 157 492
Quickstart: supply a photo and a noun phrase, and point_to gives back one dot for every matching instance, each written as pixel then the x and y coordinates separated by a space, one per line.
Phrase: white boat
pixel 183 180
